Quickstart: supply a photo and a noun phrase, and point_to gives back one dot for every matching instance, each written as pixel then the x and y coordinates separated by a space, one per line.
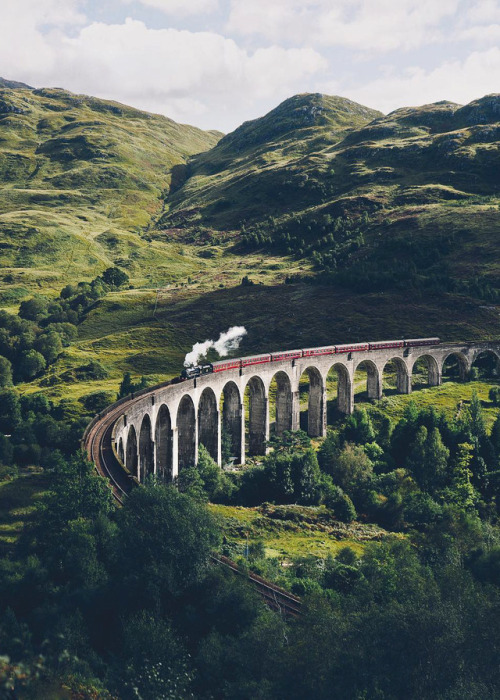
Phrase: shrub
pixel 494 395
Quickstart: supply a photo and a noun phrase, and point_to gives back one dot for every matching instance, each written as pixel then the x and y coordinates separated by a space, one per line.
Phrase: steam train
pixel 223 365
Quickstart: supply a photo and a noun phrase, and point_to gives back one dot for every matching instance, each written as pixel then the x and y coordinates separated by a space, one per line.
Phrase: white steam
pixel 230 340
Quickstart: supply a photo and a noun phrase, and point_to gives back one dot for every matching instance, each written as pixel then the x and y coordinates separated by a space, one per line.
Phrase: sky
pixel 217 63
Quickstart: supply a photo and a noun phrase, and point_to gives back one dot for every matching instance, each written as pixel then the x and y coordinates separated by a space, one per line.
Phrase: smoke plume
pixel 230 340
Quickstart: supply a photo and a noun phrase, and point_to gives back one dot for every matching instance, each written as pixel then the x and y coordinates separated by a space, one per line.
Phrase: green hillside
pixel 344 223
pixel 374 201
pixel 81 180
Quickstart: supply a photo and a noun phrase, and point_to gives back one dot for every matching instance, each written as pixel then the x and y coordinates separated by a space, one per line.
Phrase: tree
pixel 49 345
pixel 327 453
pixel 76 491
pixel 126 386
pixel 155 663
pixel 115 277
pixel 494 395
pixel 10 410
pixel 31 364
pixel 209 470
pixel 436 460
pixel 352 468
pixel 165 542
pixel 359 428
pixel 5 372
pixel 34 309
pixel 477 425
pixel 338 501
pixel 461 492
pixel 495 435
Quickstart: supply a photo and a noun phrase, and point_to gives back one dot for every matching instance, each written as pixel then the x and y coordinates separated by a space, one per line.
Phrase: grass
pixel 293 531
pixel 449 397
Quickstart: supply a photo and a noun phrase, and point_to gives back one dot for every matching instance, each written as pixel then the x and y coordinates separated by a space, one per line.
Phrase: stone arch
pixel 315 402
pixel 400 369
pixel 344 397
pixel 232 418
pixel 373 378
pixel 146 449
pixel 457 363
pixel 186 431
pixel 283 403
pixel 208 423
pixel 131 460
pixel 164 444
pixel 433 373
pixel 121 453
pixel 487 363
pixel 257 416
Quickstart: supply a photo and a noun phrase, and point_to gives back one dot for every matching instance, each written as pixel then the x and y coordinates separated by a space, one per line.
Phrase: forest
pixel 124 602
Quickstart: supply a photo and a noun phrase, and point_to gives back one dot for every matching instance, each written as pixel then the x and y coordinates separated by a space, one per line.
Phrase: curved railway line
pixel 97 444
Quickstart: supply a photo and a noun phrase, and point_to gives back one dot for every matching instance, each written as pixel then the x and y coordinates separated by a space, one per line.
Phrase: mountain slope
pixel 81 177
pixel 376 198
pixel 262 166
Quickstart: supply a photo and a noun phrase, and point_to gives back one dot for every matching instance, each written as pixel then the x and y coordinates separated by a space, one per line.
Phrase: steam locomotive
pixel 223 365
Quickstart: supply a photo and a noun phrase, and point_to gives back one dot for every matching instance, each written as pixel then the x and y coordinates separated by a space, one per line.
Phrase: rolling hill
pixel 81 180
pixel 344 224
pixel 375 201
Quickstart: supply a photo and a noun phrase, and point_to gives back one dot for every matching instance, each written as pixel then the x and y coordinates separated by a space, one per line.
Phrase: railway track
pixel 275 597
pixel 97 444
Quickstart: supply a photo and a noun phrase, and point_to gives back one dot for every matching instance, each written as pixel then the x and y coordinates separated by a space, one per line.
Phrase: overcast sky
pixel 216 63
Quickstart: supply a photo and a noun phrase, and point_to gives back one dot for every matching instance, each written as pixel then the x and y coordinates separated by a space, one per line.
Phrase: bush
pixel 115 277
pixel 338 501
pixel 494 395
pixel 5 372
pixel 31 364
pixel 97 401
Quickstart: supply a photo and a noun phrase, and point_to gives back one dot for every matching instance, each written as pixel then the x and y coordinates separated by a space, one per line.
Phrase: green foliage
pixel 115 277
pixel 494 395
pixel 128 387
pixel 165 538
pixel 97 401
pixel 5 372
pixel 342 506
pixel 31 364
pixel 351 469
pixel 154 662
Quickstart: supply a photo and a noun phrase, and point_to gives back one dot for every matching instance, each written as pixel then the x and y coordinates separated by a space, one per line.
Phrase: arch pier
pixel 160 430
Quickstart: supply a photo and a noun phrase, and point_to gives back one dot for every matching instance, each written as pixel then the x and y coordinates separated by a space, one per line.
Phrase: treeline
pixel 32 427
pixel 338 247
pixel 36 337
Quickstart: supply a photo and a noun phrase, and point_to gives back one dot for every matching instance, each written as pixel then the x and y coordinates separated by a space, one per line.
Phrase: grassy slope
pixel 427 175
pixel 82 179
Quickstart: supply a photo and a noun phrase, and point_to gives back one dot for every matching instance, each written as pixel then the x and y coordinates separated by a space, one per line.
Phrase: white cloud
pixel 457 81
pixel 182 74
pixel 366 25
pixel 23 49
pixel 483 11
pixel 181 7
pixel 487 33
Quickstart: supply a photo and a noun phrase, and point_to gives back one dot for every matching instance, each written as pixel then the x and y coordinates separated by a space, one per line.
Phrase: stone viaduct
pixel 160 432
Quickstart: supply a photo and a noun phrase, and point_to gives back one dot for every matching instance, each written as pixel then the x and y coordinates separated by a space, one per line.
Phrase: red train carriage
pixel 223 365
pixel 285 355
pixel 385 344
pixel 418 342
pixel 356 347
pixel 314 352
pixel 255 360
